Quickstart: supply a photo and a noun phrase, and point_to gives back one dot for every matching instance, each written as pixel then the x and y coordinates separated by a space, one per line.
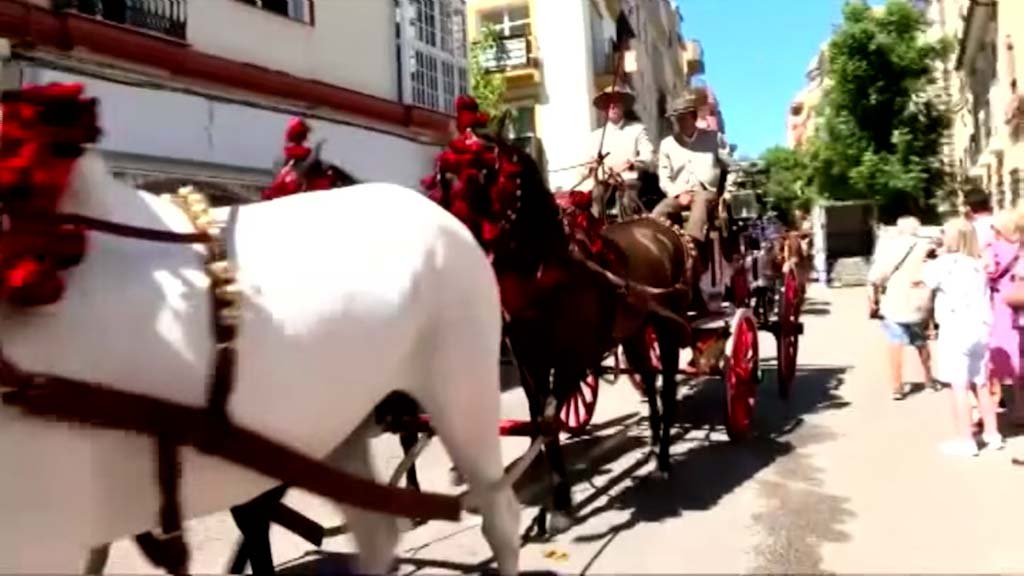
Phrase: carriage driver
pixel 627 146
pixel 690 164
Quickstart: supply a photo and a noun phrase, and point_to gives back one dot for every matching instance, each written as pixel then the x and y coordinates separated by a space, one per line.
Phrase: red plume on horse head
pixel 295 140
pixel 43 130
pixel 468 115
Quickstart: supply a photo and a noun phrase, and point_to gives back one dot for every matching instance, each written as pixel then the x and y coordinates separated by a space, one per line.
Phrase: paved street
pixel 842 479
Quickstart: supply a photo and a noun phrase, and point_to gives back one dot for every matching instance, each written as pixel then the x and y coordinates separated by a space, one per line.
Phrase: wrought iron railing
pixel 167 17
pixel 511 53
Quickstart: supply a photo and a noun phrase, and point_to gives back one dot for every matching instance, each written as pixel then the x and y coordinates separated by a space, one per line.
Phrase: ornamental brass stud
pixel 231 293
pixel 229 316
pixel 221 270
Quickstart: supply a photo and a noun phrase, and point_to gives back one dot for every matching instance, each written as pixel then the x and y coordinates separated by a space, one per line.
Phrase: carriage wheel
pixel 741 377
pixel 788 337
pixel 655 355
pixel 578 410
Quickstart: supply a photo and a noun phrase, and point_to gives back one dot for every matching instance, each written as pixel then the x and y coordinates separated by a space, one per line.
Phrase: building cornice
pixel 29 27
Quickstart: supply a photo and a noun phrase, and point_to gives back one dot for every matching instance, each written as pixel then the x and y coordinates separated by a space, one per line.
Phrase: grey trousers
pixel 697 223
pixel 629 199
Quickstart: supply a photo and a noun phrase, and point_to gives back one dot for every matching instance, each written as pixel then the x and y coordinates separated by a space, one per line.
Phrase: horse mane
pixel 538 231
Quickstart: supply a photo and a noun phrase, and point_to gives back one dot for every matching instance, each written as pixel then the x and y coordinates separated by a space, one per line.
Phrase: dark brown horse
pixel 565 311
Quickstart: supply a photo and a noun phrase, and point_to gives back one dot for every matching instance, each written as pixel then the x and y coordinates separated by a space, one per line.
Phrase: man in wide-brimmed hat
pixel 627 146
pixel 691 164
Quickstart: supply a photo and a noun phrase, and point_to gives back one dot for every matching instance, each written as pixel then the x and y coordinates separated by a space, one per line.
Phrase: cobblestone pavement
pixel 840 479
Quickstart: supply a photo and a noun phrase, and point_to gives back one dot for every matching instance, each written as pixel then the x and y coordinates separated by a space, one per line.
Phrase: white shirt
pixel 962 306
pixel 695 163
pixel 983 228
pixel 624 141
pixel 898 264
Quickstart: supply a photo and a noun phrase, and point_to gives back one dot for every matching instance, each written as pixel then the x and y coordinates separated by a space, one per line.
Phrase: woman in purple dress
pixel 1003 266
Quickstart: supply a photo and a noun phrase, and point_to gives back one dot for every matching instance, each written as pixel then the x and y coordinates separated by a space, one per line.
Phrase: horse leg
pixel 409 440
pixel 638 357
pixel 376 534
pixel 669 343
pixel 97 560
pixel 253 521
pixel 466 374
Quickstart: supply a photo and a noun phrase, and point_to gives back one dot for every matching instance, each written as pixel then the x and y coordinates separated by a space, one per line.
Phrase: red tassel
pixel 31 283
pixel 297 131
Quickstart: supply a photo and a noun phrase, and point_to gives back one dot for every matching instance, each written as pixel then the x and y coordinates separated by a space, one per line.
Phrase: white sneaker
pixel 993 442
pixel 959 448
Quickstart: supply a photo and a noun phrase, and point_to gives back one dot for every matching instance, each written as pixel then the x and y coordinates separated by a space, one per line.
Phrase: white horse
pixel 349 294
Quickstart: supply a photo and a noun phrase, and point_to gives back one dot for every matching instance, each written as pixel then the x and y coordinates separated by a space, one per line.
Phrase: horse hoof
pixel 558 522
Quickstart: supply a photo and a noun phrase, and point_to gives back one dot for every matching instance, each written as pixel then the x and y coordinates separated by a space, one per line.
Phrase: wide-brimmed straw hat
pixel 621 92
pixel 688 102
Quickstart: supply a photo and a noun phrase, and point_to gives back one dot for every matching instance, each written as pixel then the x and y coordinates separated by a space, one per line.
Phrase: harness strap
pixel 167 550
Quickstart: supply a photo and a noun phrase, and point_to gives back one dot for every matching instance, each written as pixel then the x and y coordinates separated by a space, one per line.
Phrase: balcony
pixel 513 58
pixel 511 54
pixel 694 58
pixel 166 17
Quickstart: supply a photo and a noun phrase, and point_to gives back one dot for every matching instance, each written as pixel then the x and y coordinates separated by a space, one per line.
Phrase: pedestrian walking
pixel 900 299
pixel 963 312
pixel 1001 260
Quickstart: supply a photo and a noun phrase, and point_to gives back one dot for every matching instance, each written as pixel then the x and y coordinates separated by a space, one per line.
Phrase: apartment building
pixel 557 55
pixel 991 147
pixel 201 90
pixel 802 117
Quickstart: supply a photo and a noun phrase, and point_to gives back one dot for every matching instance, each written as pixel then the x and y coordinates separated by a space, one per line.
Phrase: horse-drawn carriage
pixel 422 318
pixel 753 282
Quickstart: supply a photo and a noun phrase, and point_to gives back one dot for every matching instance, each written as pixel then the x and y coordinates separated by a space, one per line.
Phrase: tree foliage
pixel 487 87
pixel 785 180
pixel 880 132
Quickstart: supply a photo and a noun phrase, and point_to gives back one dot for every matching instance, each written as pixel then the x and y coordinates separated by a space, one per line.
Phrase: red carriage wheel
pixel 741 377
pixel 578 410
pixel 787 337
pixel 655 356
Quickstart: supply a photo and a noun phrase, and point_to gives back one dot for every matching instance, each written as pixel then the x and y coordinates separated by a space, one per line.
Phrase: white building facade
pixel 560 53
pixel 201 90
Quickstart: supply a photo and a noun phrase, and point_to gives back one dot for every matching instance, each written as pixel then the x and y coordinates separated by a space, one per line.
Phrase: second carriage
pixel 754 281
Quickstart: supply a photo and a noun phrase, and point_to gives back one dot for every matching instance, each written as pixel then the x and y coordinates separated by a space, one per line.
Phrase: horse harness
pixel 166 549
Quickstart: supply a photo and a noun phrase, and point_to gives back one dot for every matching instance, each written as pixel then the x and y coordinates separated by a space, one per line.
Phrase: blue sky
pixel 755 55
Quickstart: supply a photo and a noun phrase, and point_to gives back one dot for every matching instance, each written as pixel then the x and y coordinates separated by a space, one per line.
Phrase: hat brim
pixel 602 100
pixel 680 111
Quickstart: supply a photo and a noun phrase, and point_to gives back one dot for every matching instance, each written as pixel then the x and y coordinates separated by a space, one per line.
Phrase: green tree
pixel 487 87
pixel 880 136
pixel 785 180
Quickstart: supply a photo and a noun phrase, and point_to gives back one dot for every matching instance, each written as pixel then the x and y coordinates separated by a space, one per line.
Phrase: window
pixel 301 10
pixel 522 122
pixel 603 46
pixel 522 128
pixel 166 17
pixel 1016 188
pixel 509 20
pixel 432 45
